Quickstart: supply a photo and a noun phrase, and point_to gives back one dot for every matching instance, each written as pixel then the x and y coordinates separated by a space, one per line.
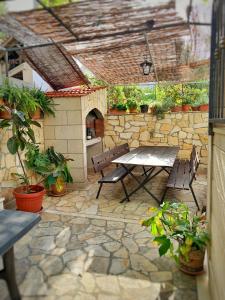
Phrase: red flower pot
pixel 204 107
pixel 30 202
pixel 186 107
pixel 133 110
pixel 176 109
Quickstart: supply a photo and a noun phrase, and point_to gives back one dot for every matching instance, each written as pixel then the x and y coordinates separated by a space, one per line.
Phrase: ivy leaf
pixel 13 145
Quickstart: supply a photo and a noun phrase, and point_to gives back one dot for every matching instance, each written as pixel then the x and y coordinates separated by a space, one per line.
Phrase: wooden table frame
pixel 148 156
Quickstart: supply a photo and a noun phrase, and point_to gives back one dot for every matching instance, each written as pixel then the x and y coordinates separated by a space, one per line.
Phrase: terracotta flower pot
pixel 144 108
pixel 113 111
pixel 176 109
pixel 31 202
pixel 194 264
pixel 195 108
pixel 133 110
pixel 122 112
pixel 37 114
pixel 204 107
pixel 4 114
pixel 186 107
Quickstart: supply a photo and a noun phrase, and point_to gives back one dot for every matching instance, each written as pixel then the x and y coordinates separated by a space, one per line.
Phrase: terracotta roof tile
pixel 73 92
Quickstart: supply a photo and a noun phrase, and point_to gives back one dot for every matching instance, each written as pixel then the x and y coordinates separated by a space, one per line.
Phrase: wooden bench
pixel 103 160
pixel 13 226
pixel 182 175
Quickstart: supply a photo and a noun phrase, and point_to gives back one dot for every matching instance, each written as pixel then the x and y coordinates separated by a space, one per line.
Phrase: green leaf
pixel 4 123
pixel 165 246
pixel 13 145
pixel 35 123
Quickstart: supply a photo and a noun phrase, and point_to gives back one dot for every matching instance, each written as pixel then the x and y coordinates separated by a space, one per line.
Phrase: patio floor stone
pixel 85 248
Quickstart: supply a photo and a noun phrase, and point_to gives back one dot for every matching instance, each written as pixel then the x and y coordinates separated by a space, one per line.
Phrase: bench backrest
pixel 103 160
pixel 194 161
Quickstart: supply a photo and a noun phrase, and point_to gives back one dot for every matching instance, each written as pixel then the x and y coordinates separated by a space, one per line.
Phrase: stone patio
pixel 96 249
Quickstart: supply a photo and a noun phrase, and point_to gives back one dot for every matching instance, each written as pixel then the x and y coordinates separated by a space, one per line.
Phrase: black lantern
pixel 146 67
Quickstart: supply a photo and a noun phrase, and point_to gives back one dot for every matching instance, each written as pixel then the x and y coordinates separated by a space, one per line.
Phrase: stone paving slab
pixel 85 248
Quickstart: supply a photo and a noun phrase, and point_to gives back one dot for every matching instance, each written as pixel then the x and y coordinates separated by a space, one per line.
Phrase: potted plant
pixel 45 104
pixel 186 103
pixel 132 105
pixel 113 109
pixel 195 106
pixel 51 166
pixel 144 108
pixel 184 235
pixel 203 102
pixel 122 108
pixel 29 196
pixel 159 110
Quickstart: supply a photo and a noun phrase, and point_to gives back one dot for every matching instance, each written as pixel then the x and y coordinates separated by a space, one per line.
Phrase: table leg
pixel 148 177
pixel 9 275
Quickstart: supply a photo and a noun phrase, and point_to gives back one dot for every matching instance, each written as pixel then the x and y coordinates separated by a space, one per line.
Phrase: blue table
pixel 13 226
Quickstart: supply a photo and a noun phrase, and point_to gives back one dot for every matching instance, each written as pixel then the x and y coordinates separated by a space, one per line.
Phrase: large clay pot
pixel 176 108
pixel 122 112
pixel 32 201
pixel 144 108
pixel 204 107
pixel 186 107
pixel 194 264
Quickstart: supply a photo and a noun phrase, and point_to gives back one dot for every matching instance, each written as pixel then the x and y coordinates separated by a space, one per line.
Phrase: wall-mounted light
pixel 146 67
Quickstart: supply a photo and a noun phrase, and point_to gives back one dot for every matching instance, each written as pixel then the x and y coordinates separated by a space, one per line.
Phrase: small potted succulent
pixel 184 235
pixel 132 105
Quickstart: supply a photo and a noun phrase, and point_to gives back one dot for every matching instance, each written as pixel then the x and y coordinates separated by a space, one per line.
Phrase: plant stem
pixel 24 172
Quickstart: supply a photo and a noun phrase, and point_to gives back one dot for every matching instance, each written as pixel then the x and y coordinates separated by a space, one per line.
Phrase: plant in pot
pixel 132 105
pixel 203 101
pixel 28 196
pixel 113 109
pixel 45 104
pixel 122 108
pixel 186 103
pixel 184 235
pixel 51 166
pixel 173 94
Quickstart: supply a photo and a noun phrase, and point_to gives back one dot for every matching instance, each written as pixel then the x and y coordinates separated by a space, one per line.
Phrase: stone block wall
pixel 176 129
pixel 67 131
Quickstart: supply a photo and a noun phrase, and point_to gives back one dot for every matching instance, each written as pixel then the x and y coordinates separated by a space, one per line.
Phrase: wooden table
pixel 13 226
pixel 162 157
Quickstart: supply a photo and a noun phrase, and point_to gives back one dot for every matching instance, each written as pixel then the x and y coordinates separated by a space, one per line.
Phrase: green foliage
pixel 131 103
pixel 56 2
pixel 25 99
pixel 121 106
pixel 116 95
pixel 49 164
pixel 96 82
pixel 174 222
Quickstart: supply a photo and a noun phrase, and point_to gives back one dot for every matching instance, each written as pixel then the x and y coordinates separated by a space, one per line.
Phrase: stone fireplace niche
pixel 94 135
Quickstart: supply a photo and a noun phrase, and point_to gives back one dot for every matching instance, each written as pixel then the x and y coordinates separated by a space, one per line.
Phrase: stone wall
pixel 10 163
pixel 176 129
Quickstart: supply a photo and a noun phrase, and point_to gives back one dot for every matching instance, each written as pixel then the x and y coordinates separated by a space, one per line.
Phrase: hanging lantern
pixel 146 67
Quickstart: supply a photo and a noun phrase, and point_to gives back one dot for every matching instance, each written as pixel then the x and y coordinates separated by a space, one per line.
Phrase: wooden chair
pixel 182 175
pixel 103 160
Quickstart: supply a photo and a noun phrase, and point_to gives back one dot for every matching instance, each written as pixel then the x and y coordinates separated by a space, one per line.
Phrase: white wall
pixel 18 5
